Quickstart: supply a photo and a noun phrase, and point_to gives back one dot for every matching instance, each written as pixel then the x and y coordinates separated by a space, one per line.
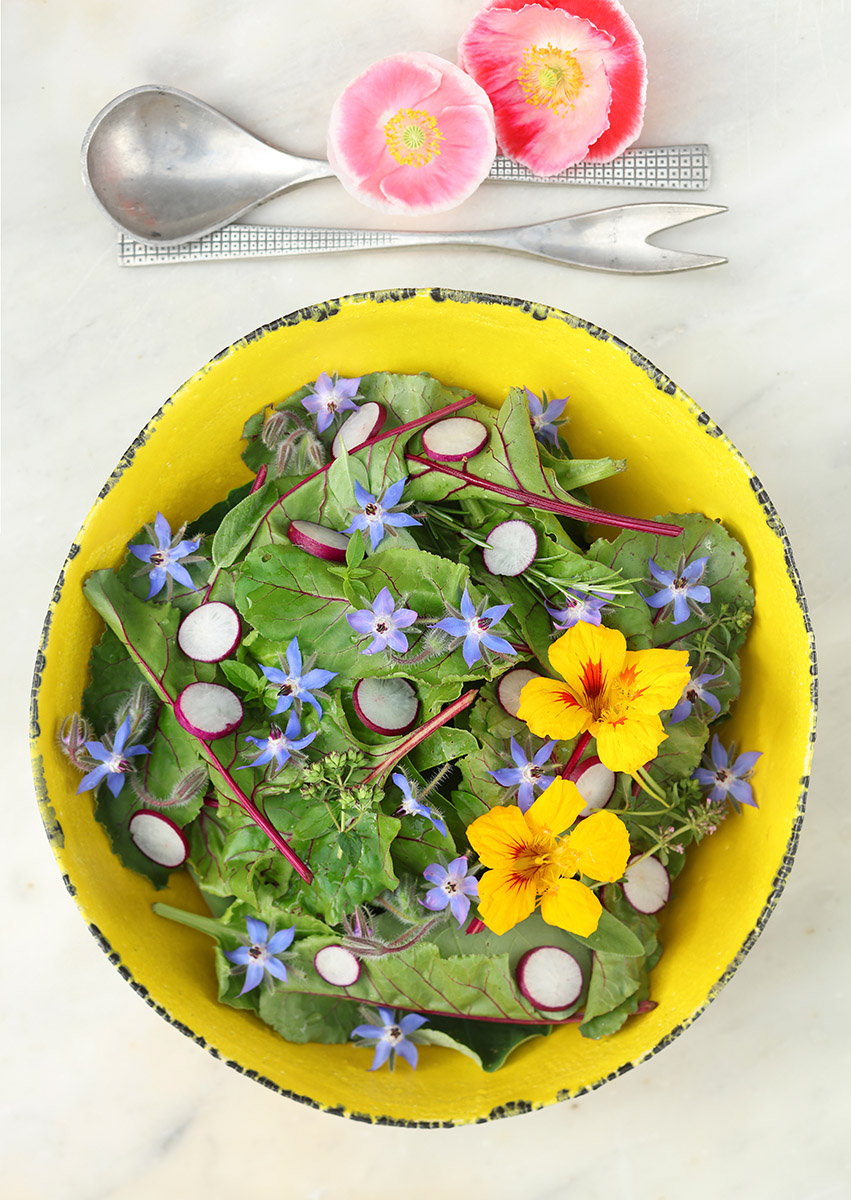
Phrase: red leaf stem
pixel 578 751
pixel 580 512
pixel 419 735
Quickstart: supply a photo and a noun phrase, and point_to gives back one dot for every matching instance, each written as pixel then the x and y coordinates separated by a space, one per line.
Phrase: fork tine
pixel 644 221
pixel 615 239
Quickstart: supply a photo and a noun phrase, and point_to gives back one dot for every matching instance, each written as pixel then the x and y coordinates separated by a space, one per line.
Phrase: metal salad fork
pixel 608 239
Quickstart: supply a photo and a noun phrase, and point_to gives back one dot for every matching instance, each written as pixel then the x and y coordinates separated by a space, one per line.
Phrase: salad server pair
pixel 173 173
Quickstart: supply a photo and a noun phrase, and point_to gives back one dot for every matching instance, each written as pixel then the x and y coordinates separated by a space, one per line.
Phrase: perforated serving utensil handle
pixel 675 168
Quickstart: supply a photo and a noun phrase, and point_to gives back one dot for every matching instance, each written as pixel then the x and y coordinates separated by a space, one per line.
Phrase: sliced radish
pixel 159 839
pixel 208 710
pixel 318 541
pixel 388 706
pixel 337 966
pixel 646 884
pixel 359 428
pixel 596 784
pixel 455 439
pixel 511 685
pixel 511 548
pixel 549 978
pixel 210 632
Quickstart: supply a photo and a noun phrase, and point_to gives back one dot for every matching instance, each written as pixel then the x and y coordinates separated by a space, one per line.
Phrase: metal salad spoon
pixel 167 168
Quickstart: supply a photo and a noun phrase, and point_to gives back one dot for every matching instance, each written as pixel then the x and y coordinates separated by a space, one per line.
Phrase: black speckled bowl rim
pixel 323 312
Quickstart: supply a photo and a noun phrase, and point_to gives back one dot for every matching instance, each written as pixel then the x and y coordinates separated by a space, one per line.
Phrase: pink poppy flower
pixel 567 78
pixel 412 134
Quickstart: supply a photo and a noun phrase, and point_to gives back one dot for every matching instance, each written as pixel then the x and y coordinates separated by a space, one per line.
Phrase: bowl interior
pixel 678 460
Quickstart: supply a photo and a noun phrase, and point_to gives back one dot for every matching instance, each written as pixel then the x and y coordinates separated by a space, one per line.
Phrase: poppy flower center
pixel 412 137
pixel 550 78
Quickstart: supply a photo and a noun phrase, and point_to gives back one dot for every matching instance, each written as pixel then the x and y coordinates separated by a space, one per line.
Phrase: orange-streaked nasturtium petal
pixel 655 678
pixel 499 835
pixel 551 710
pixel 628 744
pixel 589 658
pixel 601 842
pixel 556 808
pixel 505 899
pixel 572 906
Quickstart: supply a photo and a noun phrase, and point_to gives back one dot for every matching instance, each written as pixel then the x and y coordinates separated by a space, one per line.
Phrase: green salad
pixel 433 758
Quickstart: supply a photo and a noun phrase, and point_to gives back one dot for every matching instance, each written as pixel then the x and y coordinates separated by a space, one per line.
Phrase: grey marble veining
pixel 102 1098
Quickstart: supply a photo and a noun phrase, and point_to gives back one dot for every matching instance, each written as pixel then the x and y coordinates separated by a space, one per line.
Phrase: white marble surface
pixel 102 1098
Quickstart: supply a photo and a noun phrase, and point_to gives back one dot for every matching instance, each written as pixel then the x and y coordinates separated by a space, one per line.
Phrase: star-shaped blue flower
pixel 113 762
pixel 544 418
pixel 580 606
pixel 728 780
pixel 279 746
pixel 681 589
pixel 474 628
pixel 527 774
pixel 260 955
pixel 330 397
pixel 164 558
pixel 453 887
pixel 411 806
pixel 375 514
pixel 295 687
pixel 696 692
pixel 383 623
pixel 391 1037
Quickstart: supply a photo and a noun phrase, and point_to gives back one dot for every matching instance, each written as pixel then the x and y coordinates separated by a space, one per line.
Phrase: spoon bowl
pixel 166 168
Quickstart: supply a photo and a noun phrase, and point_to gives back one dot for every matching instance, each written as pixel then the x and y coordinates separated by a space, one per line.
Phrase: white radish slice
pixel 454 439
pixel 318 541
pixel 337 966
pixel 208 710
pixel 159 838
pixel 358 428
pixel 511 548
pixel 511 685
pixel 210 632
pixel 646 884
pixel 549 978
pixel 387 706
pixel 596 784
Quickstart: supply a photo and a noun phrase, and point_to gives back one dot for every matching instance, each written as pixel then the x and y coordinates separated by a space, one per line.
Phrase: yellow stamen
pixel 550 78
pixel 412 137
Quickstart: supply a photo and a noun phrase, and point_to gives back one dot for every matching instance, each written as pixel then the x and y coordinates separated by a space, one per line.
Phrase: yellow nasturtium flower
pixel 529 861
pixel 613 693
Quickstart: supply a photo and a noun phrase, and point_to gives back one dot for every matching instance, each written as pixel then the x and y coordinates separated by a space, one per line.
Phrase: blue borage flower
pixel 453 887
pixel 696 692
pixel 383 622
pixel 527 774
pixel 375 513
pixel 391 1037
pixel 473 627
pixel 165 557
pixel 579 606
pixel 682 590
pixel 295 685
pixel 260 955
pixel 279 746
pixel 330 397
pixel 544 418
pixel 728 781
pixel 113 760
pixel 411 806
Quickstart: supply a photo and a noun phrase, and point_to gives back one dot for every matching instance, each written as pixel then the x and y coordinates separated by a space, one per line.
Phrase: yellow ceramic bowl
pixel 679 461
